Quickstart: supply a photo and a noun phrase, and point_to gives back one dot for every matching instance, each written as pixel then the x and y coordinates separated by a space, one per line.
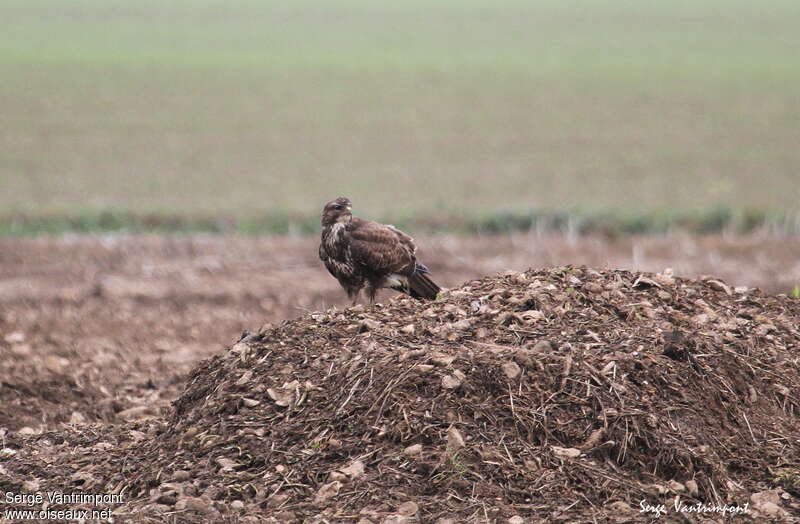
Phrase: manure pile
pixel 560 395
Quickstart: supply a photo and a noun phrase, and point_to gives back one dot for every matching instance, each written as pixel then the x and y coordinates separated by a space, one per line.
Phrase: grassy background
pixel 475 110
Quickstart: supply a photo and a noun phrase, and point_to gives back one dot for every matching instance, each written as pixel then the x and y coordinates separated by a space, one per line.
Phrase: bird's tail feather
pixel 421 286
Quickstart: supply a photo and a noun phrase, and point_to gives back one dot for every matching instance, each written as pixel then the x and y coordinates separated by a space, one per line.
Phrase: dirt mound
pixel 565 394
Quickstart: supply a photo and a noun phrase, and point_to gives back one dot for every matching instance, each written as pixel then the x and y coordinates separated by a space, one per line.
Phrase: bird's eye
pixel 337 206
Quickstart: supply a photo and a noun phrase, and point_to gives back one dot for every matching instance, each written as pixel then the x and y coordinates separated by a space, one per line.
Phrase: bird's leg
pixel 371 292
pixel 353 293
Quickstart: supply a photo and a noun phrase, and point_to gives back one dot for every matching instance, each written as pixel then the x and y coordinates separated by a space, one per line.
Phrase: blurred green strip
pixel 610 223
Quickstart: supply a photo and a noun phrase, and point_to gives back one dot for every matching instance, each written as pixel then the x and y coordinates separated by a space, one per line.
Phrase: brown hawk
pixel 363 253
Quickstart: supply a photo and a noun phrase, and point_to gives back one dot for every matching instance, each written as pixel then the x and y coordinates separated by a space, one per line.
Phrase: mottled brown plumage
pixel 361 253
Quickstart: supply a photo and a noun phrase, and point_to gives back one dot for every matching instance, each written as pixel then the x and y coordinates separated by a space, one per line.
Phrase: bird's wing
pixel 380 248
pixel 406 240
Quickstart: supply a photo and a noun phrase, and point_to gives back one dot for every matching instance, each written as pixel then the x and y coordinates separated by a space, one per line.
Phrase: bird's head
pixel 337 211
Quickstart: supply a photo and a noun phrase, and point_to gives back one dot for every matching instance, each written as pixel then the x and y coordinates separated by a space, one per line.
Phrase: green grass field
pixel 256 109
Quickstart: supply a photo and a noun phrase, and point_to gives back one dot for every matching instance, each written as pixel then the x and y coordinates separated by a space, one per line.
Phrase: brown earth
pixel 104 330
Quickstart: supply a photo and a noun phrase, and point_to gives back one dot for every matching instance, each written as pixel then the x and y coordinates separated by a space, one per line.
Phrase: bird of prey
pixel 361 253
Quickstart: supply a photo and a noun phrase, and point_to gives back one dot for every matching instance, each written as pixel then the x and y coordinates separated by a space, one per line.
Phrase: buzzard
pixel 363 253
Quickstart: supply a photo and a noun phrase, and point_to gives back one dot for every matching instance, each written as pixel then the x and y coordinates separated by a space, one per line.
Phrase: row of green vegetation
pixel 710 221
pixel 208 108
